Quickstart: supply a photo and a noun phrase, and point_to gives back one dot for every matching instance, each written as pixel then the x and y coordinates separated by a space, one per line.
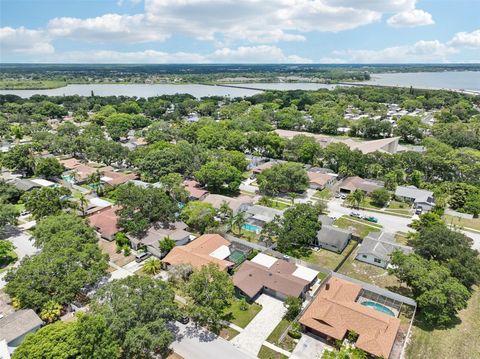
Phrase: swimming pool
pixel 252 228
pixel 68 178
pixel 379 307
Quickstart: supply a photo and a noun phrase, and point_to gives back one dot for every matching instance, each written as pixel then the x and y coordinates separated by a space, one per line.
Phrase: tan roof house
pixel 335 312
pixel 319 180
pixel 105 221
pixel 206 249
pixel 350 184
pixel 237 204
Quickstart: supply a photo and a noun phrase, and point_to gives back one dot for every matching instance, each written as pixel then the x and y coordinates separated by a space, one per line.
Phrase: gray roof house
pixel 24 184
pixel 156 233
pixel 377 247
pixel 333 238
pixel 262 214
pixel 420 197
pixel 14 327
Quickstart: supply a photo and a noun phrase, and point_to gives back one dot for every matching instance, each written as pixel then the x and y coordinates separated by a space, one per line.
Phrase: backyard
pixel 359 227
pixel 461 341
pixel 328 259
pixel 242 317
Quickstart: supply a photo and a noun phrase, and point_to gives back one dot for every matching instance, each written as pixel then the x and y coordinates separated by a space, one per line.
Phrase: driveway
pixel 309 347
pixel 198 343
pixel 257 331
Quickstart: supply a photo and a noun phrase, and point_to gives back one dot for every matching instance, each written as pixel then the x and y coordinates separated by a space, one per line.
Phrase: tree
pixel 210 291
pixel 173 185
pixel 283 178
pixel 224 211
pixel 409 128
pixel 9 193
pixel 51 311
pixel 345 352
pixel 149 341
pixel 439 295
pixel 219 176
pixel 7 254
pixel 356 198
pixel 426 220
pixel 48 167
pixel 199 215
pixel 298 229
pixel 294 307
pixel 83 204
pixel 238 221
pixel 118 125
pixel 8 215
pixel 303 149
pixel 166 244
pixel 152 266
pixel 20 158
pixel 46 201
pixel 142 206
pixel 380 197
pixel 133 303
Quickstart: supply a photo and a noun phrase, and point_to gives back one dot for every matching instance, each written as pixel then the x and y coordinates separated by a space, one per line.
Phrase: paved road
pixel 257 331
pixel 390 223
pixel 195 343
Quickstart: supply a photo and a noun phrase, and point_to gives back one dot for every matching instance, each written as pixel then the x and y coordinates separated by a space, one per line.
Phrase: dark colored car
pixel 184 319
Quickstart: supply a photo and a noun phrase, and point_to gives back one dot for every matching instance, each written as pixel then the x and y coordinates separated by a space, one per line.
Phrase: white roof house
pixel 264 260
pixel 306 273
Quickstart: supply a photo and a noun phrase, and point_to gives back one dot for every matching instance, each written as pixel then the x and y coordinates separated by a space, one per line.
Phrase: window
pixel 364 256
pixel 376 260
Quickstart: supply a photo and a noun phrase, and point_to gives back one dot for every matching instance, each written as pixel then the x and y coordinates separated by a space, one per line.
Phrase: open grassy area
pixel 267 353
pixel 359 227
pixel 242 317
pixel 30 84
pixel 370 274
pixel 461 341
pixel 325 194
pixel 228 333
pixel 463 222
pixel 328 259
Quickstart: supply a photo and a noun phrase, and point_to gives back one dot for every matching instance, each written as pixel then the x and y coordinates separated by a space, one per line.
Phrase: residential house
pixel 43 182
pixel 319 180
pixel 336 311
pixel 206 249
pixel 377 247
pixel 237 204
pixel 275 277
pixel 350 184
pixel 257 216
pixel 195 191
pixel 24 184
pixel 333 238
pixel 105 222
pixel 114 178
pixel 156 233
pixel 265 166
pixel 14 327
pixel 419 197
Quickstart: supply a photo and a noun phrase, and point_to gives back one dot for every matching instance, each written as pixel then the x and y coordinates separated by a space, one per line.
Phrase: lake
pixel 451 80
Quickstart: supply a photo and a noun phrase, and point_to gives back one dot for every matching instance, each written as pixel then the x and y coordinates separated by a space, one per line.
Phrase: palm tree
pixel 51 311
pixel 356 198
pixel 83 201
pixel 152 266
pixel 238 221
pixel 224 211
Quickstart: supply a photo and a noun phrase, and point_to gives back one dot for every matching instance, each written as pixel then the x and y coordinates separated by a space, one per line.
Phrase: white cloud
pixel 243 54
pixel 411 18
pixel 467 39
pixel 421 51
pixel 24 41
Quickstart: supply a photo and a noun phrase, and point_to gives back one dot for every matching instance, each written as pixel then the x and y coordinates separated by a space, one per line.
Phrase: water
pixel 452 80
pixel 378 307
pixel 252 228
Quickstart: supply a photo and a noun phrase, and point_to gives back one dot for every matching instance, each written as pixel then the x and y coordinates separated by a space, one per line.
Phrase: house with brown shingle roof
pixel 335 312
pixel 105 222
pixel 206 249
pixel 195 191
pixel 350 184
pixel 318 180
pixel 272 276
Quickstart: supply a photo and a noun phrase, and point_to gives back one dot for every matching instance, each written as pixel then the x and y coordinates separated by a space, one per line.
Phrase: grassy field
pixel 30 84
pixel 324 194
pixel 461 341
pixel 370 274
pixel 242 317
pixel 359 227
pixel 287 343
pixel 463 222
pixel 328 259
pixel 228 333
pixel 267 353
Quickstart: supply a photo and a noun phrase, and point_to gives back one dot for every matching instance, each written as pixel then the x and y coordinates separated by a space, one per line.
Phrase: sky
pixel 240 31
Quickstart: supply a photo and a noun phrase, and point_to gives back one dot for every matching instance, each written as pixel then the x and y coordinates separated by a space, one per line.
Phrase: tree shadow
pixel 10 231
pixel 420 322
pixel 193 331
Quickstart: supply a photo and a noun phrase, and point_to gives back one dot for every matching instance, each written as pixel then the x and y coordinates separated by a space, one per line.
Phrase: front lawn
pixel 328 259
pixel 359 227
pixel 399 207
pixel 370 274
pixel 324 194
pixel 228 333
pixel 267 353
pixel 287 343
pixel 463 222
pixel 461 341
pixel 242 317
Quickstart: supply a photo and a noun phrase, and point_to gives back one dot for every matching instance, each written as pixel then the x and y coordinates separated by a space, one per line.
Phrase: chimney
pixel 327 286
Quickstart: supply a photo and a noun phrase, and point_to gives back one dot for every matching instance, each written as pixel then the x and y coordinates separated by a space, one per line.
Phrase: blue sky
pixel 240 31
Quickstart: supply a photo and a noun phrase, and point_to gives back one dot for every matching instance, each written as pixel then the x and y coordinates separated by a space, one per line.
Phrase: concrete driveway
pixel 256 332
pixel 309 347
pixel 197 343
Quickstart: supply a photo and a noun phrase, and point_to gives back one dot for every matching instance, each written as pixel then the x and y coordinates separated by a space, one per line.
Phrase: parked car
pixel 419 210
pixel 371 219
pixel 355 214
pixel 141 256
pixel 343 196
pixel 338 195
pixel 184 319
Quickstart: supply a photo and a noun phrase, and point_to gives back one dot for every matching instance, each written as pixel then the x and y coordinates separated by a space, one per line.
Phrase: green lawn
pixel 287 343
pixel 370 274
pixel 324 194
pixel 276 204
pixel 328 259
pixel 463 222
pixel 461 341
pixel 359 227
pixel 228 333
pixel 242 317
pixel 399 207
pixel 267 353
